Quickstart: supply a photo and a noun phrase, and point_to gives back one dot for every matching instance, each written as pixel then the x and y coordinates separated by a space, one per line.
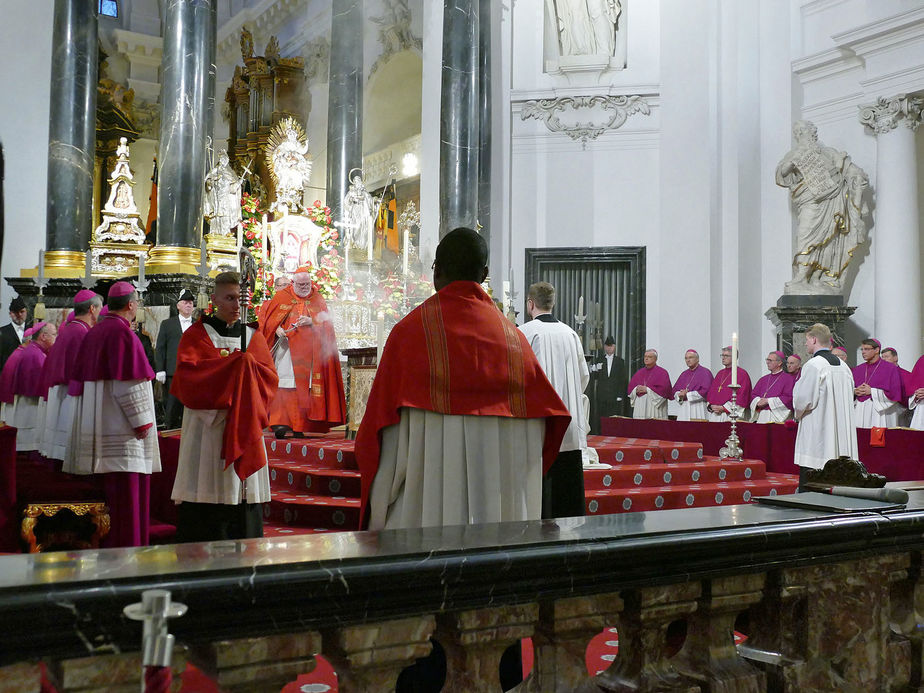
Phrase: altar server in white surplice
pixel 823 404
pixel 461 422
pixel 115 434
pixel 59 370
pixel 559 351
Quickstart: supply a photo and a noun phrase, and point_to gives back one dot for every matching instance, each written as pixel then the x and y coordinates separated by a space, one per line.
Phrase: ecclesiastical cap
pixel 795 356
pixel 104 311
pixel 186 296
pixel 35 329
pixel 780 354
pixel 120 289
pixel 609 341
pixel 17 304
pixel 84 295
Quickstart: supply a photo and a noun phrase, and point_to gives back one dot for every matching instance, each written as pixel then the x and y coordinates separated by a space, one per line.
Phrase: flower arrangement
pixel 252 211
pixel 328 276
pixel 391 301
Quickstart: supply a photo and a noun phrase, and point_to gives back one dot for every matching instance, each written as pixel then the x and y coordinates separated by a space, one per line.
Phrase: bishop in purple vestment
pixel 771 396
pixel 691 388
pixel 720 392
pixel 877 388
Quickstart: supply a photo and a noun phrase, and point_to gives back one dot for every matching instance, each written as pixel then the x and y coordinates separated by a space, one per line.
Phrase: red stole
pixel 457 354
pixel 243 383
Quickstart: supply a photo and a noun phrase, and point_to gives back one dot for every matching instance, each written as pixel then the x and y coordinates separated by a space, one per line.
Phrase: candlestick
pixel 732 448
pixel 581 306
pixel 734 359
pixel 379 336
pixel 407 239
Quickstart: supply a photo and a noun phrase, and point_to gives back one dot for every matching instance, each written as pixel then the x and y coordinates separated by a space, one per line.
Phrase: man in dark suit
pixel 11 335
pixel 611 380
pixel 168 339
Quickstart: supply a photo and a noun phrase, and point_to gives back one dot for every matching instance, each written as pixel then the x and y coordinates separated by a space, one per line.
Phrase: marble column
pixel 484 119
pixel 345 104
pixel 460 139
pixel 895 233
pixel 184 97
pixel 71 134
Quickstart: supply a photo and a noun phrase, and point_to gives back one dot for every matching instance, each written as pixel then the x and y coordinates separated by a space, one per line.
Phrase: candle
pixel 41 264
pixel 734 355
pixel 598 311
pixel 506 297
pixel 265 239
pixel 581 306
pixel 371 241
pixel 240 235
pixel 346 260
pixel 204 255
pixel 141 268
pixel 379 336
pixel 88 267
pixel 407 239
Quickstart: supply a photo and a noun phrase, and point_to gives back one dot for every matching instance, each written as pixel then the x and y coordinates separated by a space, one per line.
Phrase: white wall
pixel 25 41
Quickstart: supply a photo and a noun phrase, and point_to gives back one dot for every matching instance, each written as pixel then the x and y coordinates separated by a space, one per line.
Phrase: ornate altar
pixel 118 243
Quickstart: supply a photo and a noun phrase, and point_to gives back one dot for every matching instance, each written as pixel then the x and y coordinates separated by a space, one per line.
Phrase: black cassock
pixel 610 396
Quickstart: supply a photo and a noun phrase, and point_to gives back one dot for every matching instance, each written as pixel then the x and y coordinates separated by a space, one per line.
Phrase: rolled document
pixel 885 495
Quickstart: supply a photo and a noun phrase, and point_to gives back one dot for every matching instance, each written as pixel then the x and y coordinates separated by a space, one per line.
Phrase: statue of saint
pixel 222 203
pixel 359 213
pixel 827 190
pixel 287 151
pixel 588 27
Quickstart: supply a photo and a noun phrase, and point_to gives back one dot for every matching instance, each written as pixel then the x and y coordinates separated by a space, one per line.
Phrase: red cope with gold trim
pixel 315 358
pixel 243 383
pixel 457 354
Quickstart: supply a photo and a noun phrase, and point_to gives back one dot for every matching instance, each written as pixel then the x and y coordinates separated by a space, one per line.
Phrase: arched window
pixel 109 8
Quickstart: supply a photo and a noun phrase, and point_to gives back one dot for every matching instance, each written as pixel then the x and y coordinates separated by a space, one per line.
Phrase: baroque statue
pixel 359 213
pixel 222 202
pixel 827 190
pixel 588 27
pixel 287 154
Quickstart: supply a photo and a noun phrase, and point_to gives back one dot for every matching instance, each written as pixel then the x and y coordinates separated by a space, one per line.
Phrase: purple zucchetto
pixel 120 289
pixel 83 295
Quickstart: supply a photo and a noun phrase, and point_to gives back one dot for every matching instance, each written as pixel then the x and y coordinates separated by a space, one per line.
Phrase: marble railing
pixel 830 603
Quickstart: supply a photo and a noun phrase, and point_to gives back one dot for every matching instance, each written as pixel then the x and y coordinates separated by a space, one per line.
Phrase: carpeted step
pixel 673 474
pixel 302 509
pixel 309 477
pixel 623 500
pixel 608 447
pixel 333 453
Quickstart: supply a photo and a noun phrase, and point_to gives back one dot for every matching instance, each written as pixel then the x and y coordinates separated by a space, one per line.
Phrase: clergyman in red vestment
pixel 300 333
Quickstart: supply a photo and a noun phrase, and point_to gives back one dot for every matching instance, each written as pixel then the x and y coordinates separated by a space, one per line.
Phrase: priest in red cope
pixel 222 478
pixel 720 392
pixel 59 371
pixel 115 434
pixel 771 396
pixel 28 391
pixel 877 388
pixel 300 333
pixel 461 423
pixel 649 389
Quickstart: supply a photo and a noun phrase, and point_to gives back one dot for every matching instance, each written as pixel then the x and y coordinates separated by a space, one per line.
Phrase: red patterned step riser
pixel 313 515
pixel 627 454
pixel 332 454
pixel 667 498
pixel 668 450
pixel 316 483
pixel 648 475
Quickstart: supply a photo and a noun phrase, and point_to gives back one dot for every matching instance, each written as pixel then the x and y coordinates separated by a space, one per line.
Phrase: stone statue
pixel 246 43
pixel 827 190
pixel 287 153
pixel 588 27
pixel 359 214
pixel 222 202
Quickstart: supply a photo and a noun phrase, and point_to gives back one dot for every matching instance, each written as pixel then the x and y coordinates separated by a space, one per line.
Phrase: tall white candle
pixel 204 254
pixel 506 297
pixel 407 239
pixel 346 260
pixel 265 229
pixel 240 235
pixel 734 355
pixel 41 264
pixel 371 241
pixel 581 306
pixel 379 336
pixel 141 268
pixel 88 267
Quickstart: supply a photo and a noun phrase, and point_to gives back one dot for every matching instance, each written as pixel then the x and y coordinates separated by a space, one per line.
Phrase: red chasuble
pixel 457 354
pixel 241 382
pixel 315 358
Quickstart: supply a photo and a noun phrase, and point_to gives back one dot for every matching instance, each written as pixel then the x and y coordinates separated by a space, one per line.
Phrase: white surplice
pixel 776 413
pixel 693 408
pixel 59 422
pixel 651 405
pixel 823 404
pixel 28 417
pixel 103 434
pixel 917 413
pixel 878 410
pixel 558 350
pixel 201 476
pixel 441 469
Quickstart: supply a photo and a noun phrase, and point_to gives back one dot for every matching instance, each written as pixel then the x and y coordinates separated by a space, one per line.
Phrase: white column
pixel 895 233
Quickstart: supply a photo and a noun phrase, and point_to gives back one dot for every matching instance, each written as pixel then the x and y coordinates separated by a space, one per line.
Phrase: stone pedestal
pixel 793 315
